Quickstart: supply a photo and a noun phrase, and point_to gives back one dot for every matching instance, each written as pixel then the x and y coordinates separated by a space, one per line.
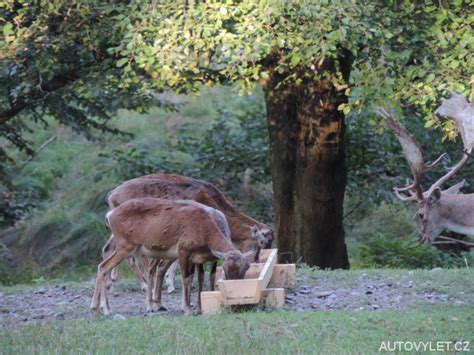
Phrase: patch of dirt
pixel 58 302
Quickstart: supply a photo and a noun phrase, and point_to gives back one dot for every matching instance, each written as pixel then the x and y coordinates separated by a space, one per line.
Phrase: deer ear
pixel 218 254
pixel 455 188
pixel 434 196
pixel 254 231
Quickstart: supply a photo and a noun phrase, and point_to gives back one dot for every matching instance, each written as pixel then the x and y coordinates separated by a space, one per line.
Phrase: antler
pixel 414 156
pixel 461 112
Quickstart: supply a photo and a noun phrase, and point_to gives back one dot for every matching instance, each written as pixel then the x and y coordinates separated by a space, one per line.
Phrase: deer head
pixel 438 209
pixel 235 263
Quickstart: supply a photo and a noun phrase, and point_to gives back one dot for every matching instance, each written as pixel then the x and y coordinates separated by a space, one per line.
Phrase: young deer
pixel 246 233
pixel 168 230
pixel 438 210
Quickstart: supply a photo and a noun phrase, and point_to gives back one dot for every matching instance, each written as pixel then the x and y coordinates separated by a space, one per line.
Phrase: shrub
pixel 404 253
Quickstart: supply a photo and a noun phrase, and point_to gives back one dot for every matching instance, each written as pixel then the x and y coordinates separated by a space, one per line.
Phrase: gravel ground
pixel 356 291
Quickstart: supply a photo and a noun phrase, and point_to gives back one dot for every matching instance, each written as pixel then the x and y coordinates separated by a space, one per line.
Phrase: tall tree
pixel 310 57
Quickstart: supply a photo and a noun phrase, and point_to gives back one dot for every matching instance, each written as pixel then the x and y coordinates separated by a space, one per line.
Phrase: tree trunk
pixel 308 171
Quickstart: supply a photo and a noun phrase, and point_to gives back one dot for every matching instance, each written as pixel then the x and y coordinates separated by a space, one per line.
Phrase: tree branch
pixel 7 115
pixel 58 82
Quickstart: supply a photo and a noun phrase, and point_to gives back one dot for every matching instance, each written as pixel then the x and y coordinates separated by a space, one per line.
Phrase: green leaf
pixel 295 59
pixel 121 62
pixel 8 29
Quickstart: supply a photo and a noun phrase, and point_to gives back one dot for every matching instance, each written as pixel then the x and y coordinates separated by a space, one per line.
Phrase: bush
pixel 404 253
pixel 236 141
pixel 371 220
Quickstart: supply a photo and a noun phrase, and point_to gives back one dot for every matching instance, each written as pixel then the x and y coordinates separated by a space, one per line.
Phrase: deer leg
pixel 163 267
pixel 132 261
pixel 192 268
pixel 200 268
pixel 100 292
pixel 145 261
pixel 150 274
pixel 107 250
pixel 170 277
pixel 186 278
pixel 114 275
pixel 212 276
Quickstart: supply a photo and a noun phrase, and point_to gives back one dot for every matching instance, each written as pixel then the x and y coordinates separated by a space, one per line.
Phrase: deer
pixel 172 186
pixel 246 232
pixel 438 209
pixel 158 268
pixel 167 230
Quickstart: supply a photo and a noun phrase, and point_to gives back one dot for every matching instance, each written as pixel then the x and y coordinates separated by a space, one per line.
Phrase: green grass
pixel 252 332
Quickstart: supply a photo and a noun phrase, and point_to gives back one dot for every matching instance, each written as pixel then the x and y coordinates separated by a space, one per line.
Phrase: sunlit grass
pixel 245 333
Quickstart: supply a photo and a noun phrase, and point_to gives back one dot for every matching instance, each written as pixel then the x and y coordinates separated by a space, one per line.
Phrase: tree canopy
pixel 79 61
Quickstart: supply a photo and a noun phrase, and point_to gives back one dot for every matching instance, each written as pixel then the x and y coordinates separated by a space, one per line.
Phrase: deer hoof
pixel 106 311
pixel 162 308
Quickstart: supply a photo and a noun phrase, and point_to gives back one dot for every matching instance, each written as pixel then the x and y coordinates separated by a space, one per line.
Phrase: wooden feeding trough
pixel 263 284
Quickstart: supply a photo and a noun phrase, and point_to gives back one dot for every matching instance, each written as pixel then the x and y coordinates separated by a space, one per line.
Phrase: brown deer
pixel 246 232
pixel 167 230
pixel 171 186
pixel 437 209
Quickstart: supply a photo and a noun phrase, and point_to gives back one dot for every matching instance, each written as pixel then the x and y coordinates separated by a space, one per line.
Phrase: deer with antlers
pixel 437 209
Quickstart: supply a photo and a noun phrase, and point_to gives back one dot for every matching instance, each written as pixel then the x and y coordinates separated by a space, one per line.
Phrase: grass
pixel 246 333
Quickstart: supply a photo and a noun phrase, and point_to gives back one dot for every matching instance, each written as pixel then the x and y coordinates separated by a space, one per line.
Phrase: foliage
pixel 54 62
pixel 13 207
pixel 403 253
pixel 128 162
pixel 79 62
pixel 236 141
pixel 376 163
pixel 63 188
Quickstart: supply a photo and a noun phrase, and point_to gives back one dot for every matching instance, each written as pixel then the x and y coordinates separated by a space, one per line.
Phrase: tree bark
pixel 308 170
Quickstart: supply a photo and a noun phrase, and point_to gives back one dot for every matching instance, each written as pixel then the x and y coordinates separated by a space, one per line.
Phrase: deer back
pixel 161 224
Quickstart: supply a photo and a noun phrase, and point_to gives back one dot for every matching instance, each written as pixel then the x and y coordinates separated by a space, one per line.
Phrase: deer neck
pixel 240 224
pixel 220 243
pixel 457 213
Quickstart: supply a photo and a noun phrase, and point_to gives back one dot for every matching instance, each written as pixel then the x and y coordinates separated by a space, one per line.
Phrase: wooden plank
pixel 254 271
pixel 284 275
pixel 264 254
pixel 266 272
pixel 248 291
pixel 211 302
pixel 239 291
pixel 273 298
